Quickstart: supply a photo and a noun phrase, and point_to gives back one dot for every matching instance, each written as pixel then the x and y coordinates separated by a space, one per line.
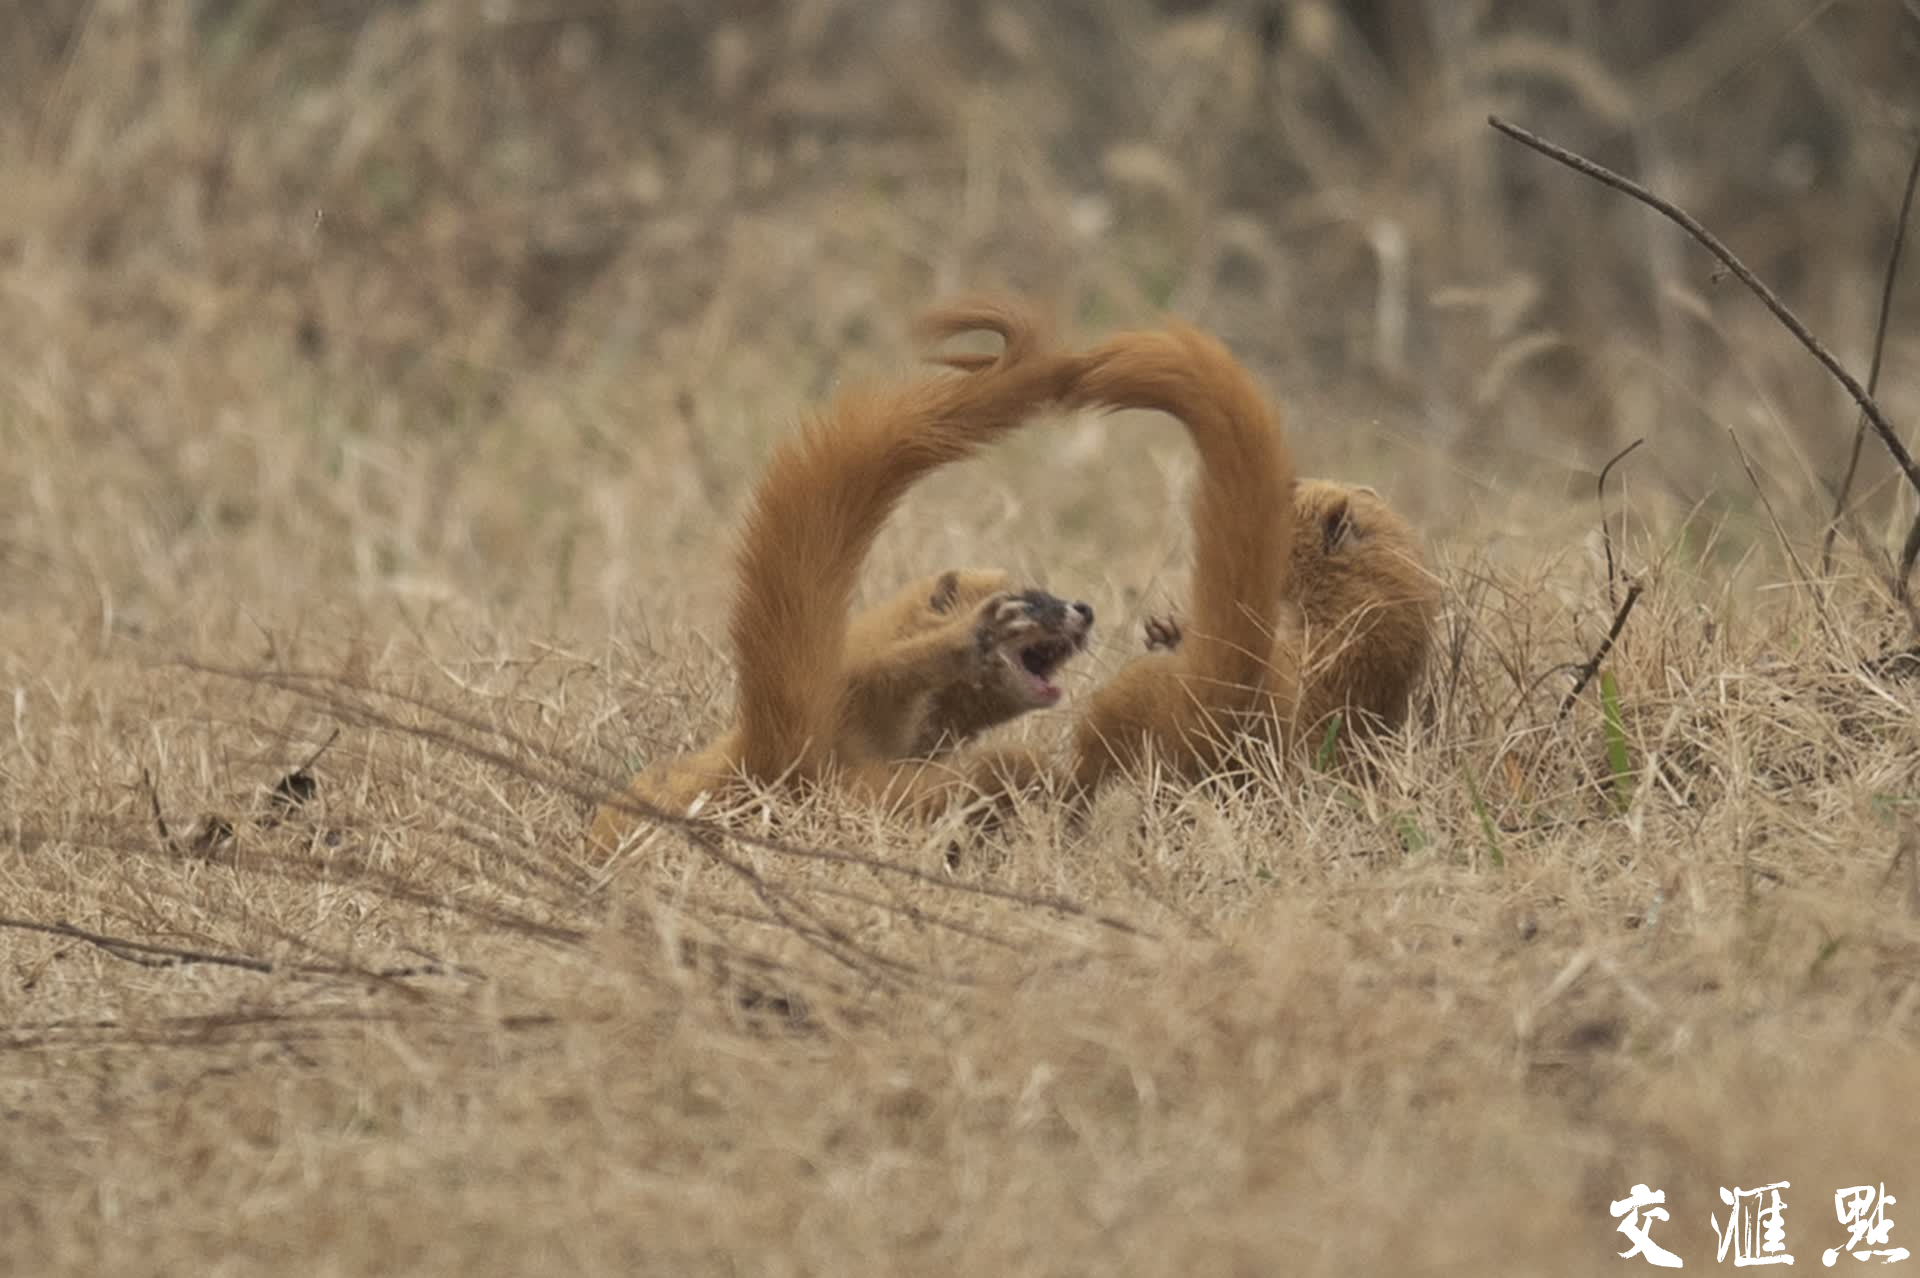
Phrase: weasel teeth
pixel 1041 659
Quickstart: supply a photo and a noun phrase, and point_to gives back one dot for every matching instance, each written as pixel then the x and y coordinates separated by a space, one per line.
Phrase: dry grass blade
pixel 141 952
pixel 149 954
pixel 1779 531
pixel 407 365
pixel 527 760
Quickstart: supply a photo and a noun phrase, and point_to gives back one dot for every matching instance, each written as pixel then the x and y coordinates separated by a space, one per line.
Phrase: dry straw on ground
pixel 378 381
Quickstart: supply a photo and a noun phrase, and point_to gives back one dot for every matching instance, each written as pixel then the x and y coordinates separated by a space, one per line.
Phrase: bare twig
pixel 1599 173
pixel 1873 370
pixel 148 954
pixel 349 862
pixel 1600 495
pixel 318 750
pixel 297 786
pixel 809 925
pixel 1592 666
pixel 353 703
pixel 141 952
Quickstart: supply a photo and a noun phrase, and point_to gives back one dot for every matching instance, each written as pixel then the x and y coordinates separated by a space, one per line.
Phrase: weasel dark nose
pixel 1085 611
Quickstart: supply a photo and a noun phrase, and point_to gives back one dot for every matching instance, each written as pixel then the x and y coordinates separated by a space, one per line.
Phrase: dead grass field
pixel 377 386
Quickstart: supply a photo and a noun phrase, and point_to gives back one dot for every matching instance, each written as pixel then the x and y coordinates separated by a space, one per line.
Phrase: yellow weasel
pixel 1308 598
pixel 862 703
pixel 1366 606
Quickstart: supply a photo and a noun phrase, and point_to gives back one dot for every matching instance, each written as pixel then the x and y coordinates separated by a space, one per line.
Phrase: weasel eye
pixel 944 592
pixel 1336 526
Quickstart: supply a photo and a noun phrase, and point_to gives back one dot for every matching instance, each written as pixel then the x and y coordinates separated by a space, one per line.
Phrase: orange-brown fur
pixel 1309 598
pixel 1368 605
pixel 1186 706
pixel 1365 606
pixel 858 703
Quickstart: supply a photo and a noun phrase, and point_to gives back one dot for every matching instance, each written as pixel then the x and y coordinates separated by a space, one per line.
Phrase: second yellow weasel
pixel 1366 605
pixel 1308 598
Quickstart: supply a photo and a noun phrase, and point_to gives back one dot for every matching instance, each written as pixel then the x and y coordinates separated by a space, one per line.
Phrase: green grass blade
pixel 1323 757
pixel 1487 829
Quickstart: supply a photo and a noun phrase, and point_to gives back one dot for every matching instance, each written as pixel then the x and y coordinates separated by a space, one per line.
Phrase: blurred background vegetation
pixel 542 232
pixel 409 359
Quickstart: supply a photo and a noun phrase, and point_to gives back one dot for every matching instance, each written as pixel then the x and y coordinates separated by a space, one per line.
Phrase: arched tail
pixel 823 499
pixel 1242 508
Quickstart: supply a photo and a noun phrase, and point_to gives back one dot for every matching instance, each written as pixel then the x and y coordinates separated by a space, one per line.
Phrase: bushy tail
pixel 1243 507
pixel 824 497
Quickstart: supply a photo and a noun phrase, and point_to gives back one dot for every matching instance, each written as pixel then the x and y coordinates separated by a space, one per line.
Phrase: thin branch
pixel 1592 667
pixel 148 954
pixel 1873 371
pixel 809 925
pixel 318 750
pixel 588 788
pixel 1600 496
pixel 1580 164
pixel 141 952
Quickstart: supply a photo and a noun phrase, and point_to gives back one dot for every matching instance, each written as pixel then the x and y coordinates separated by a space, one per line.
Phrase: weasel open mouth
pixel 1037 662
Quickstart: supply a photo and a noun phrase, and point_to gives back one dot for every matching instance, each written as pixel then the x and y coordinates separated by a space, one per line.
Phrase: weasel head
pixel 1033 636
pixel 1027 635
pixel 1368 599
pixel 1352 550
pixel 1024 637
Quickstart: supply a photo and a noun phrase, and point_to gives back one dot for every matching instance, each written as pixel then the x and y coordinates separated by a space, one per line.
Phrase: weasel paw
pixel 1000 619
pixel 1162 632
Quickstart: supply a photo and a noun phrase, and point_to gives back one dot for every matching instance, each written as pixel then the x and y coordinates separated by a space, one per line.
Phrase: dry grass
pixel 378 384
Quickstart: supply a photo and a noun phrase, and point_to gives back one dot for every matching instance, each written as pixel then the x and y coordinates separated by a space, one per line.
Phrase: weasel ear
pixel 944 591
pixel 1337 526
